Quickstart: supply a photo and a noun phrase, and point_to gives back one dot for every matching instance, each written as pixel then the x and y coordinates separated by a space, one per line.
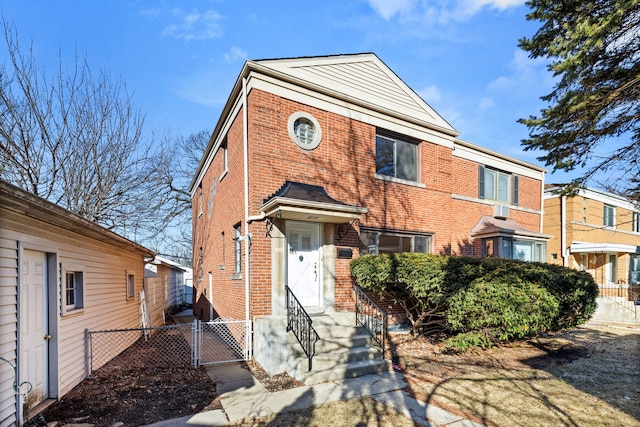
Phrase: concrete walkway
pixel 243 396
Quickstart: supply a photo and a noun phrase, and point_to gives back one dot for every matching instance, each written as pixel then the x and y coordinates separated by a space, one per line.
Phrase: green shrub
pixel 481 300
pixel 412 280
pixel 502 310
pixel 468 340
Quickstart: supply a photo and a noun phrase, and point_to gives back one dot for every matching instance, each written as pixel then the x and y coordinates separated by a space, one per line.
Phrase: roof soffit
pixel 35 207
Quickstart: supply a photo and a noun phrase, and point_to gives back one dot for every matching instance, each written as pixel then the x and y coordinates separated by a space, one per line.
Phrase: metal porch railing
pixel 371 316
pixel 299 321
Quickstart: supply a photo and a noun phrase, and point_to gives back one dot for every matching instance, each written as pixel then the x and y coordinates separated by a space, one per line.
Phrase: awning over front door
pixel 306 202
pixel 588 247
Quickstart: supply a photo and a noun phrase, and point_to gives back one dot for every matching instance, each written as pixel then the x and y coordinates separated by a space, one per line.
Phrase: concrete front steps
pixel 616 309
pixel 344 350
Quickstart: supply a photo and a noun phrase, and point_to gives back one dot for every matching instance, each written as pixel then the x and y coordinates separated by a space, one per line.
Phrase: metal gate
pixel 197 343
pixel 223 340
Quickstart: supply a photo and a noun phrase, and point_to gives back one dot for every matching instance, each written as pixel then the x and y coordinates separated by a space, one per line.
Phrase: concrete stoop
pixel 344 350
pixel 617 309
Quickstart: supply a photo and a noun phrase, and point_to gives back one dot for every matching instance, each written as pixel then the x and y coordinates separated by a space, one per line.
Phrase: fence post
pixel 196 346
pixel 248 349
pixel 88 353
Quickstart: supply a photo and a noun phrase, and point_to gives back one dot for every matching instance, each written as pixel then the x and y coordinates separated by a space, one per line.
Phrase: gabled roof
pixel 360 81
pixel 362 78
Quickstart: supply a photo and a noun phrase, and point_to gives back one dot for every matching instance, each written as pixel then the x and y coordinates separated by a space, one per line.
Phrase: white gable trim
pixel 389 120
pixel 483 156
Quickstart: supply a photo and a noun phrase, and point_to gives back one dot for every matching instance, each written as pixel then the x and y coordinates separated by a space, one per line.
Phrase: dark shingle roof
pixel 306 192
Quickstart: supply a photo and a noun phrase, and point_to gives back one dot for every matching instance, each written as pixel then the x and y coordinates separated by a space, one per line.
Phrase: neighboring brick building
pixel 598 232
pixel 315 161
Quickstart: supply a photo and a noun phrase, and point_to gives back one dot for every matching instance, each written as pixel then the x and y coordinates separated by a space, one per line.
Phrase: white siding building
pixel 59 275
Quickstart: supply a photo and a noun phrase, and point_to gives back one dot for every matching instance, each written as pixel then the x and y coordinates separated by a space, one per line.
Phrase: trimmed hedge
pixel 480 301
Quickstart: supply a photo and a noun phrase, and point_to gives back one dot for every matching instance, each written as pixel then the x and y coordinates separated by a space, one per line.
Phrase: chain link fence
pixel 188 344
pixel 224 340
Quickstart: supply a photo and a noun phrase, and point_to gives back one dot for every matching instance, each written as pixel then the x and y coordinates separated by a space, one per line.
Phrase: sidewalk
pixel 243 396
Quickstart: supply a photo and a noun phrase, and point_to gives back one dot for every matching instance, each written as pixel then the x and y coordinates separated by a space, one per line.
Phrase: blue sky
pixel 181 58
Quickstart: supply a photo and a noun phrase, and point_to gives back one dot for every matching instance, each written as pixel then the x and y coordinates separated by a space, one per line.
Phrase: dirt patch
pixel 272 382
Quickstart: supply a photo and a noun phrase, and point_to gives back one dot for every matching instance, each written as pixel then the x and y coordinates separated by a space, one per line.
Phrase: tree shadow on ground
pixel 582 377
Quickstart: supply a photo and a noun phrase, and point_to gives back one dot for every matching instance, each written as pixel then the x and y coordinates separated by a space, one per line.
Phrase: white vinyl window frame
pixel 237 251
pixel 130 284
pixel 304 130
pixel 497 185
pixel 609 216
pixel 397 159
pixel 72 281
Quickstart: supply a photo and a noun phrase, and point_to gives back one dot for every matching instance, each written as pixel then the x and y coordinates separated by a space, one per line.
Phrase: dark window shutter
pixel 480 181
pixel 515 190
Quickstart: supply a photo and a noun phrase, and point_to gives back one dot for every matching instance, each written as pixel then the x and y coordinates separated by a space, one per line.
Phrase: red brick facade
pixel 445 203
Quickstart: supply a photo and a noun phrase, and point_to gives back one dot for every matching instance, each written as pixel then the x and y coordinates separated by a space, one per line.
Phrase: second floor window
pixel 635 222
pixel 497 185
pixel 396 158
pixel 609 216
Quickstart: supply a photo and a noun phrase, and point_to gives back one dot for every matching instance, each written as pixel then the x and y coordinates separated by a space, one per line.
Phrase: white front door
pixel 303 262
pixel 34 325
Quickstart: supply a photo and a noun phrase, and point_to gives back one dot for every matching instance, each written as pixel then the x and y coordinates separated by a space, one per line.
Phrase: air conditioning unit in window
pixel 501 211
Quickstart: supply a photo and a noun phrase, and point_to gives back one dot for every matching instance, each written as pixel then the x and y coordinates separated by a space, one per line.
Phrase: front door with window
pixel 303 262
pixel 34 325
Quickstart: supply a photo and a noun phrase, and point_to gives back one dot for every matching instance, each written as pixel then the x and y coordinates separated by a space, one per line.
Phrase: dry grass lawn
pixel 586 377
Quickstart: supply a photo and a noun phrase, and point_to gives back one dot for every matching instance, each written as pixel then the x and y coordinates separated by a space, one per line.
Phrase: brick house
pixel 598 232
pixel 317 160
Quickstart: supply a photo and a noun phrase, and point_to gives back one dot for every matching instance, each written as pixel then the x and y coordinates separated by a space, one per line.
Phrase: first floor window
pixel 506 247
pixel 584 262
pixel 237 249
pixel 376 242
pixel 73 292
pixel 396 158
pixel 612 268
pixel 634 269
pixel 131 285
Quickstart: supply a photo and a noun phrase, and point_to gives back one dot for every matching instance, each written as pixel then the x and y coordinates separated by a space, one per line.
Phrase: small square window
pixel 73 291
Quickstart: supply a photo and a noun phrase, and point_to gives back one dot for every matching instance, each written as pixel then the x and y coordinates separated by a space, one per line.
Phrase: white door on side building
pixel 303 262
pixel 34 337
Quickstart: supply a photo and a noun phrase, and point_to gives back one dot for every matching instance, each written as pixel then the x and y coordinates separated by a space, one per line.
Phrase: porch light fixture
pixel 312 217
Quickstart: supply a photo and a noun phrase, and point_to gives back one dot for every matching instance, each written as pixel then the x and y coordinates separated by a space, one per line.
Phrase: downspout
pixel 563 231
pixel 247 242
